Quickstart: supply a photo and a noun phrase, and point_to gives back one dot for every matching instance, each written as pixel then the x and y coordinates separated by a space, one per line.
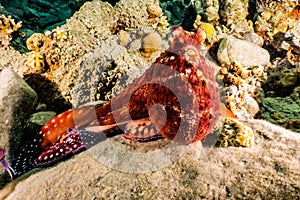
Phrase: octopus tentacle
pixel 6 166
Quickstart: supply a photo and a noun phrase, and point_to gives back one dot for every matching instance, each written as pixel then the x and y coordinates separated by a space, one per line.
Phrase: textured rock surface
pixel 17 102
pixel 267 170
pixel 242 52
pixel 105 71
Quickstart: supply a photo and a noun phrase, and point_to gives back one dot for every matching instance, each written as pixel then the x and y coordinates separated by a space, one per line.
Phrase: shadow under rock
pixel 48 92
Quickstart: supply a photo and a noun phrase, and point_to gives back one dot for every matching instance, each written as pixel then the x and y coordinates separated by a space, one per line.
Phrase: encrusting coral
pixel 35 42
pixel 236 134
pixel 36 61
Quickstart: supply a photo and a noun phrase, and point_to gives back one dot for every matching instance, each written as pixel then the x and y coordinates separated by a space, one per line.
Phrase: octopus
pixel 176 98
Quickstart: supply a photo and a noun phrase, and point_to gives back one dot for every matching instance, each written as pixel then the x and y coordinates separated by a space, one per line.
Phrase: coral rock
pixel 36 61
pixel 154 11
pixel 151 43
pixel 35 41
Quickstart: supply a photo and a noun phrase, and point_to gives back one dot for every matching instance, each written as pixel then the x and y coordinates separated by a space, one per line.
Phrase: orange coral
pixel 35 41
pixel 154 11
pixel 36 61
pixel 8 25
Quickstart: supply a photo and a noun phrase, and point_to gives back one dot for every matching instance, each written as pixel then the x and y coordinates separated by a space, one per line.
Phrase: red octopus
pixel 177 98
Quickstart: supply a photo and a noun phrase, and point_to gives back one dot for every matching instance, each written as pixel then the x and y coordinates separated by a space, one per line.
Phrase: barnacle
pixel 236 134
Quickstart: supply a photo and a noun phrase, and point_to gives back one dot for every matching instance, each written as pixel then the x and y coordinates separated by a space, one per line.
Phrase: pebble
pixel 241 52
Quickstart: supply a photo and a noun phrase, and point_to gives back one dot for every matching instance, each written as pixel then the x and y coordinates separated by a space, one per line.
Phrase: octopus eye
pixel 191 53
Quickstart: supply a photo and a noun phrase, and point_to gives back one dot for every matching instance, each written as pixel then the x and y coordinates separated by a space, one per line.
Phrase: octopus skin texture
pixel 176 98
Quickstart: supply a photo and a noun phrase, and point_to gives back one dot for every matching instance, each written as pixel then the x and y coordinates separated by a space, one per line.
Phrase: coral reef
pixel 242 73
pixel 179 13
pixel 97 52
pixel 233 12
pixel 161 25
pixel 274 17
pixel 131 15
pixel 236 134
pixel 8 25
pixel 46 51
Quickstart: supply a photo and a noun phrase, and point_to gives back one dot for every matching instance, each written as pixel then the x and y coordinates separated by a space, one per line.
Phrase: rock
pixel 254 38
pixel 106 71
pixel 17 102
pixel 267 170
pixel 251 105
pixel 242 52
pixel 41 118
pixel 37 120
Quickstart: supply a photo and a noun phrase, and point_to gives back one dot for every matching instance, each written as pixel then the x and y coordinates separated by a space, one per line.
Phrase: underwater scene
pixel 149 99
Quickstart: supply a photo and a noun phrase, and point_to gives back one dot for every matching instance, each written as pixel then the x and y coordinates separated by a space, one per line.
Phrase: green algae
pixel 281 111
